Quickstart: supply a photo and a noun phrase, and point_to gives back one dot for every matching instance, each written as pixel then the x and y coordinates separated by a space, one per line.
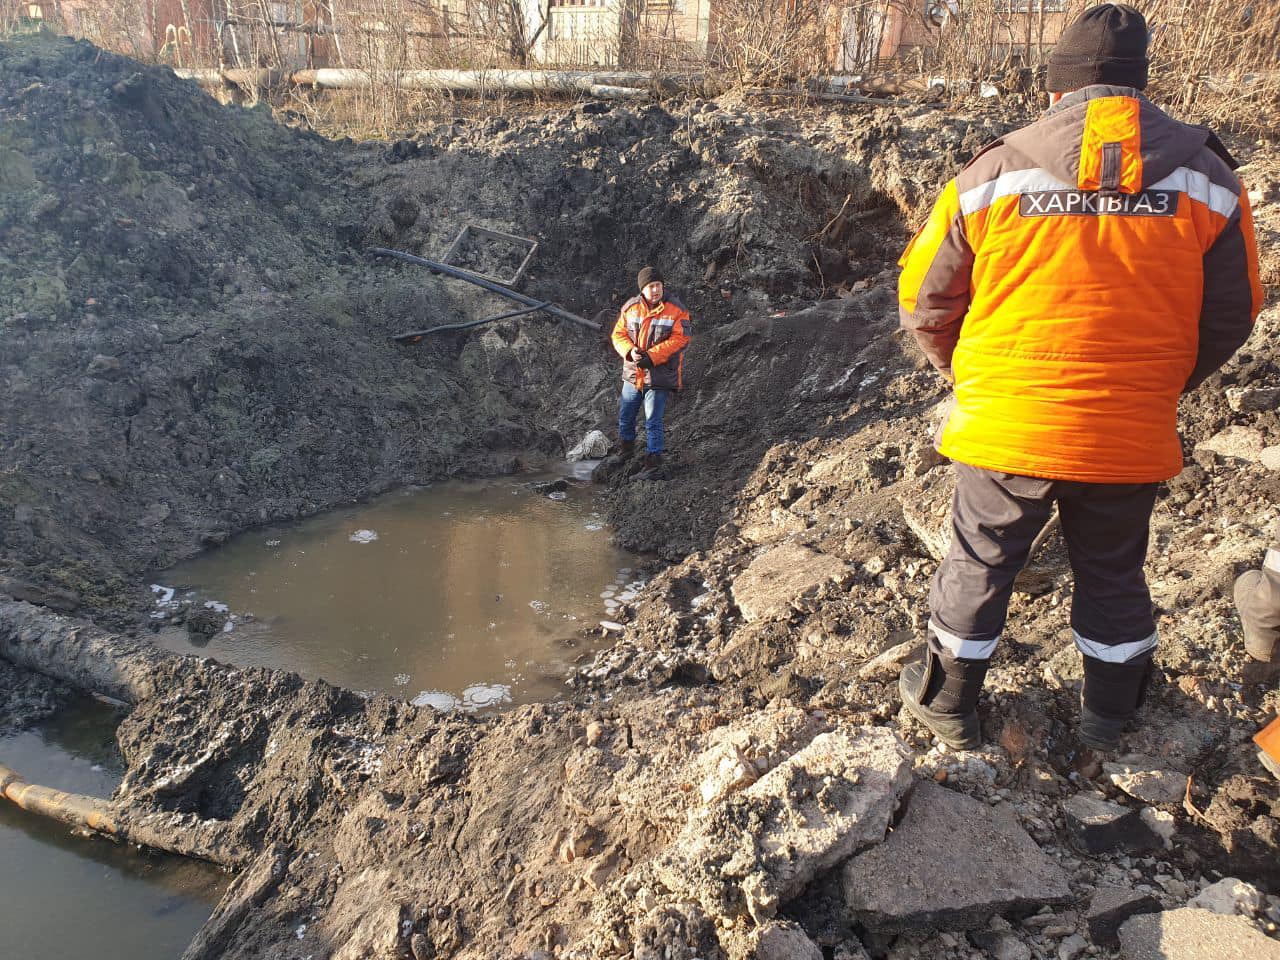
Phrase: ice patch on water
pixel 606 595
pixel 611 626
pixel 229 625
pixel 482 695
pixel 437 700
pixel 364 536
pixel 401 679
pixel 164 595
pixel 217 606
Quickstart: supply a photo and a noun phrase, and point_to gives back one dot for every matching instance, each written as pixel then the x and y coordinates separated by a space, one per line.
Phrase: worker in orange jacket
pixel 1072 282
pixel 651 335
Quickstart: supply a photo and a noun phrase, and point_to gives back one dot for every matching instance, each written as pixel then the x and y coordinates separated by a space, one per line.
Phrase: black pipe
pixel 413 336
pixel 460 274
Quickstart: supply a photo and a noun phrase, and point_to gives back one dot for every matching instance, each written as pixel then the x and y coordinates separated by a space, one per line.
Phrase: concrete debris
pixel 1112 906
pixel 1096 825
pixel 1072 947
pixel 927 511
pixel 951 864
pixel 1137 777
pixel 756 850
pixel 1191 934
pixel 1000 945
pixel 782 941
pixel 1162 825
pixel 594 446
pixel 1253 399
pixel 889 662
pixel 1229 896
pixel 776 578
pixel 1236 443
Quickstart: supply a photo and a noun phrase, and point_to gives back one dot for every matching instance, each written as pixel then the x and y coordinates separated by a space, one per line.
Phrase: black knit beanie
pixel 648 275
pixel 1107 44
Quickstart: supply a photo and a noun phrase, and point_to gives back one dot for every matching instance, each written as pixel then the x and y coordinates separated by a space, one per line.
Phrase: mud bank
pixel 696 796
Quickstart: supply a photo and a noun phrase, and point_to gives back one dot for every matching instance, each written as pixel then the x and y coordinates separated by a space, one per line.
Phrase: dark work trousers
pixel 996 516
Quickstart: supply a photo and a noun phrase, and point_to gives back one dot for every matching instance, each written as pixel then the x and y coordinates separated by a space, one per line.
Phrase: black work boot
pixel 652 467
pixel 606 469
pixel 945 702
pixel 1109 699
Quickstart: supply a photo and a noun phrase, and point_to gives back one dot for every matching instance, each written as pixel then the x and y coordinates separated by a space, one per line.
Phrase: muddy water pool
pixel 69 896
pixel 461 595
pixel 468 596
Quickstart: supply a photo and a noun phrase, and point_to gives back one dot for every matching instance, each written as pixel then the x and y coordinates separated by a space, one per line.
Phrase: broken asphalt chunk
pixel 1112 906
pixel 1096 825
pixel 1191 934
pixel 951 864
pixel 758 848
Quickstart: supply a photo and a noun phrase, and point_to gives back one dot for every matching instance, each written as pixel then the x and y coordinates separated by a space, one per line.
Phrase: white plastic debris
pixel 436 699
pixel 593 446
pixel 364 536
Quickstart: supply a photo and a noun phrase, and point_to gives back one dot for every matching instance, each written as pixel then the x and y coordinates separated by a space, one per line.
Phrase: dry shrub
pixel 771 43
pixel 1215 60
pixel 1218 61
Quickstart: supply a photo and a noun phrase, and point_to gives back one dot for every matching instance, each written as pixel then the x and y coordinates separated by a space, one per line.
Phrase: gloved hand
pixel 643 361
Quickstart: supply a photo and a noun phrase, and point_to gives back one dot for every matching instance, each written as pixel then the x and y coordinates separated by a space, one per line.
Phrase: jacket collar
pixel 1094 91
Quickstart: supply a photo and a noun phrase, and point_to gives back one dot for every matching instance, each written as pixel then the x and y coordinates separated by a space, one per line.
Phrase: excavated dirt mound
pixel 195 339
pixel 802 519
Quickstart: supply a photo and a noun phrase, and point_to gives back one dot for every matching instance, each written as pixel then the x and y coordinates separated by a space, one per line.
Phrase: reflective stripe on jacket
pixel 1073 280
pixel 663 331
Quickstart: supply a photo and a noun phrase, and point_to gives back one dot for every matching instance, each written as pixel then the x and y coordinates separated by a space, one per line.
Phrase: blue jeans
pixel 655 404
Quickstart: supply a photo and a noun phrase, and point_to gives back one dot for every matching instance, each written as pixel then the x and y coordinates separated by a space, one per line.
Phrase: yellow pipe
pixel 72 808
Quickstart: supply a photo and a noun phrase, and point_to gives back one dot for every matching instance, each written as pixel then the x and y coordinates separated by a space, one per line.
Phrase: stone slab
pixel 1191 934
pixel 776 578
pixel 1147 782
pixel 1236 443
pixel 1112 906
pixel 951 864
pixel 1096 825
pixel 758 848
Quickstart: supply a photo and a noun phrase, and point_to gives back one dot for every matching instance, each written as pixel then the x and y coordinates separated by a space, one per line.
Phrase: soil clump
pixel 194 342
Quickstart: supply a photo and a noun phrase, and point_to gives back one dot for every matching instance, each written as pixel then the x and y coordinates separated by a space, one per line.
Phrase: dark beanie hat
pixel 647 276
pixel 1107 44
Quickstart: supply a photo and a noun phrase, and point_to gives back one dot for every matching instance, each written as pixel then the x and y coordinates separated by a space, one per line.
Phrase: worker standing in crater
pixel 651 335
pixel 1075 279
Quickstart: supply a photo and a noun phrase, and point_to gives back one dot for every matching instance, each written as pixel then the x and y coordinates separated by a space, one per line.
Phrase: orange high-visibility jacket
pixel 1073 280
pixel 663 332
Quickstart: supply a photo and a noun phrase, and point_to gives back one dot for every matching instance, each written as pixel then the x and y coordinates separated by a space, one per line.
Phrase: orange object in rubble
pixel 1268 739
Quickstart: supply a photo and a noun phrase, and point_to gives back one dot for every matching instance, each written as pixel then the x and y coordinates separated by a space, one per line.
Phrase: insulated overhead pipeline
pixel 460 274
pixel 604 85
